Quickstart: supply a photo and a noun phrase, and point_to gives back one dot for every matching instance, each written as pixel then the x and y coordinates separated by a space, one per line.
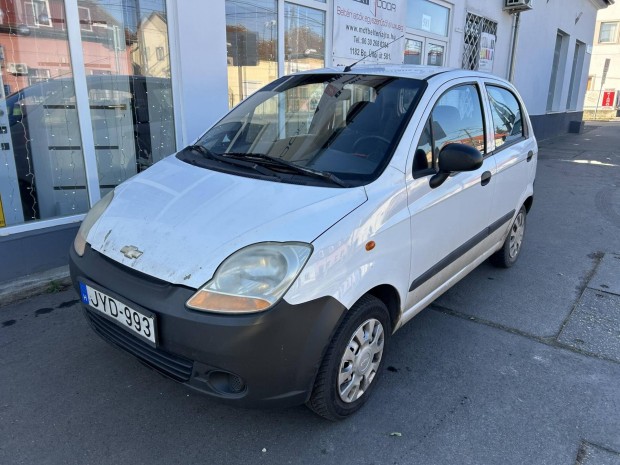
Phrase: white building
pixel 603 96
pixel 94 92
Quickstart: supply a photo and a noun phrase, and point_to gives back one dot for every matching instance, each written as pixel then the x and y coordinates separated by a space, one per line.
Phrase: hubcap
pixel 360 361
pixel 516 234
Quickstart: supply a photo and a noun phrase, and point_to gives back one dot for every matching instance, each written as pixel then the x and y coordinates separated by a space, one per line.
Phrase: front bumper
pixel 276 353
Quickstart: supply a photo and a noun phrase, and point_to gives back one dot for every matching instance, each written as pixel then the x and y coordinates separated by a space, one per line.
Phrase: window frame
pixel 428 38
pixel 483 109
pixel 614 39
pixel 526 126
pixel 88 24
pixel 32 4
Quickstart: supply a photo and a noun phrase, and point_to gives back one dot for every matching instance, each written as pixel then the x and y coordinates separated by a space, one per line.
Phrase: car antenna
pixel 349 67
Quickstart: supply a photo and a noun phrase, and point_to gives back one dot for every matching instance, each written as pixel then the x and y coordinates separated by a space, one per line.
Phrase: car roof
pixel 405 71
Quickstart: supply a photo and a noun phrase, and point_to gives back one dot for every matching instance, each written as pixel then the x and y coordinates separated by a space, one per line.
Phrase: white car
pixel 269 263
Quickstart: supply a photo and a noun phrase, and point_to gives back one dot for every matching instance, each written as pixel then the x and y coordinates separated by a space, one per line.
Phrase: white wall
pixel 536 48
pixel 488 9
pixel 198 49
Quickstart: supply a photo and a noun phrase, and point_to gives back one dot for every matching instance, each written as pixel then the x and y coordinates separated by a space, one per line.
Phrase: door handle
pixel 485 178
pixel 530 154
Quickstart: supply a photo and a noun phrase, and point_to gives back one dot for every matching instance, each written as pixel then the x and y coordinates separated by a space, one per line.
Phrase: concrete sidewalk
pixel 509 367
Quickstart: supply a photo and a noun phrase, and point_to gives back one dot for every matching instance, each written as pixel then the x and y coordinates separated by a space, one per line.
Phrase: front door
pixel 449 224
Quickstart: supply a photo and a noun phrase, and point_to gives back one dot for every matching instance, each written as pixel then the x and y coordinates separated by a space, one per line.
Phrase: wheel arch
pixel 528 203
pixel 388 294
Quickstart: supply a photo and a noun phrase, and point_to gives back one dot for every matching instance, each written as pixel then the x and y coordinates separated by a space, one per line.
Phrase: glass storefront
pixel 266 39
pixel 129 89
pixel 252 46
pixel 127 73
pixel 304 38
pixel 42 173
pixel 254 52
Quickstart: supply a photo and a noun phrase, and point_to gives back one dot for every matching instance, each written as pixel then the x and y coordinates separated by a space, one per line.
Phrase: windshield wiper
pixel 269 160
pixel 236 162
pixel 201 149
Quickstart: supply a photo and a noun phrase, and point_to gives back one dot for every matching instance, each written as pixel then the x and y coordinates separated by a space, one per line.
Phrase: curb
pixel 28 286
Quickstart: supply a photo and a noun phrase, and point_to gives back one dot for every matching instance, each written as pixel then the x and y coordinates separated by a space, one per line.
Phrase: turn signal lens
pixel 213 301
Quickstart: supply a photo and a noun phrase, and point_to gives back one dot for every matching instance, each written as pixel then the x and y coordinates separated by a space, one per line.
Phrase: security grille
pixel 474 27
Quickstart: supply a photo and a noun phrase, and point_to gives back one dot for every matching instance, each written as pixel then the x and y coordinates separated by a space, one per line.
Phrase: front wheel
pixel 352 363
pixel 510 251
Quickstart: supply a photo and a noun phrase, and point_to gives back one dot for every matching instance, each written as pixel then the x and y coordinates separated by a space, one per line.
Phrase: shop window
pixel 304 38
pixel 428 16
pixel 413 52
pixel 130 91
pixel 427 32
pixel 435 55
pixel 41 155
pixel 252 45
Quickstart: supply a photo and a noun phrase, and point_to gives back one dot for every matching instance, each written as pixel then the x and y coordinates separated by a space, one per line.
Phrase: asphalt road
pixel 509 367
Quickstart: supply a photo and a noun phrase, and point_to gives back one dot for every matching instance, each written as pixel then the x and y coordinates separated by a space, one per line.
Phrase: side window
pixel 507 116
pixel 456 118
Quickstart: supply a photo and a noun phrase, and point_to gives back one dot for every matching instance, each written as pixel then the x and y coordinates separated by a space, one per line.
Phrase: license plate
pixel 133 320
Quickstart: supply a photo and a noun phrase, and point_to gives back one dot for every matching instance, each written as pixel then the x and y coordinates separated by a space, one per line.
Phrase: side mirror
pixel 455 158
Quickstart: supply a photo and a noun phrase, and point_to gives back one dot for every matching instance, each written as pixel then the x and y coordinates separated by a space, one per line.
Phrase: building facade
pixel 603 88
pixel 95 91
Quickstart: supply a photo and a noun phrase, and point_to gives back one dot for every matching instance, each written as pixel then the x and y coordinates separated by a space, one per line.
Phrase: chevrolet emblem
pixel 131 251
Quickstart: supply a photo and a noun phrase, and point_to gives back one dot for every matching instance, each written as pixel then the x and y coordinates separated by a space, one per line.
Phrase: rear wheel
pixel 352 364
pixel 510 251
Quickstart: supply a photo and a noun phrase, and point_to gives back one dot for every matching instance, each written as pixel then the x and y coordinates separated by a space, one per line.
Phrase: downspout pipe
pixel 513 51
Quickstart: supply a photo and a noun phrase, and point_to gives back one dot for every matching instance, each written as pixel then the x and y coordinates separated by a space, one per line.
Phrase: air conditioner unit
pixel 17 68
pixel 514 6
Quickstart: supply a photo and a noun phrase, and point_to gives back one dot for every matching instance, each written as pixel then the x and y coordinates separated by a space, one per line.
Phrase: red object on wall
pixel 609 98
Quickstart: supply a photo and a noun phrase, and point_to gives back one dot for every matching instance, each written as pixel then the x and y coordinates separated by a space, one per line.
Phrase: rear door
pixel 514 151
pixel 449 224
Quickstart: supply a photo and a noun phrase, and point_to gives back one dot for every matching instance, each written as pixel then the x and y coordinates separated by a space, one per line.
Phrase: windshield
pixel 343 126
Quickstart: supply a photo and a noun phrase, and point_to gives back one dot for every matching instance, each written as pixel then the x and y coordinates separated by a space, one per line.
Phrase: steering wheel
pixel 371 145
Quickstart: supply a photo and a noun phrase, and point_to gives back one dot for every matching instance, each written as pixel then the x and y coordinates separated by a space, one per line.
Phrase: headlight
pixel 79 244
pixel 253 278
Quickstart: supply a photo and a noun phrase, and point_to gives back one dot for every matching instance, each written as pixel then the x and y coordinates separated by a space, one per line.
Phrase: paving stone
pixel 607 276
pixel 594 326
pixel 594 455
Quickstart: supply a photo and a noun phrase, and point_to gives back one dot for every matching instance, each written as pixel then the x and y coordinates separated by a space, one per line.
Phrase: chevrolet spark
pixel 270 262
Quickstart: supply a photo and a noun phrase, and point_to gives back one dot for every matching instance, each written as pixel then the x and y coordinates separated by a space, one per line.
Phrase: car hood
pixel 186 220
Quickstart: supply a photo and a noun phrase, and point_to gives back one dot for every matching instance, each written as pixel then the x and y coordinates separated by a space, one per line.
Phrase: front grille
pixel 177 368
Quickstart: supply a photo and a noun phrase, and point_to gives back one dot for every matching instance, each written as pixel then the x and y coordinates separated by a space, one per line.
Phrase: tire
pixel 353 358
pixel 511 250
